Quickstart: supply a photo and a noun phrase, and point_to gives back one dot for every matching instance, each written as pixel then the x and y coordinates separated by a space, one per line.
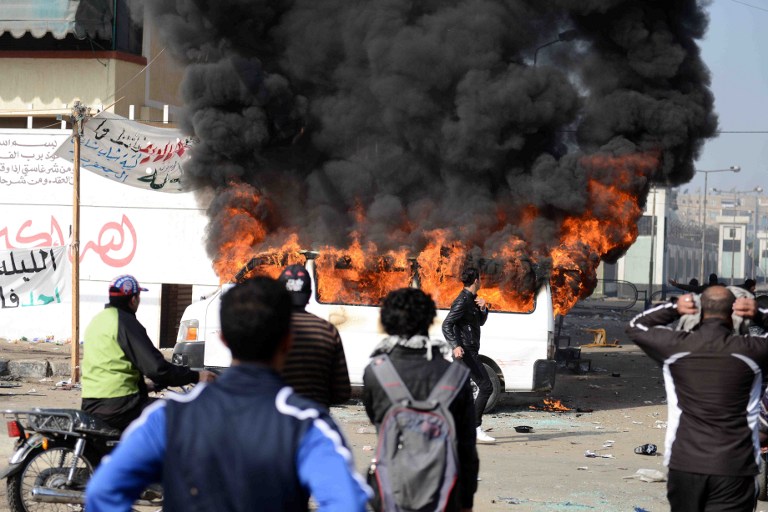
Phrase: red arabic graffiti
pixel 115 244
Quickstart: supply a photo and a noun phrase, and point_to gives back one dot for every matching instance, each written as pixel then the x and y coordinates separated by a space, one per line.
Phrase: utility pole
pixel 80 114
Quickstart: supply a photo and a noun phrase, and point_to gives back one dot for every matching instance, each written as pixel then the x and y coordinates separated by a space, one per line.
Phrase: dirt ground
pixel 618 405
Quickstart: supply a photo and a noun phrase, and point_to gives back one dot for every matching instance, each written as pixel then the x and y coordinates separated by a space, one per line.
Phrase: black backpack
pixel 416 464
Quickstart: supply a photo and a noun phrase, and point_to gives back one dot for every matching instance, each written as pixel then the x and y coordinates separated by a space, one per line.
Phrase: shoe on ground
pixel 482 437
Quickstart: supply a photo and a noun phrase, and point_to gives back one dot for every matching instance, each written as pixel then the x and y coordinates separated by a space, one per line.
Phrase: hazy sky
pixel 736 51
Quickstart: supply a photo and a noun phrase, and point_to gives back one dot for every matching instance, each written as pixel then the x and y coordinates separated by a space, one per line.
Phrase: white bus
pixel 518 349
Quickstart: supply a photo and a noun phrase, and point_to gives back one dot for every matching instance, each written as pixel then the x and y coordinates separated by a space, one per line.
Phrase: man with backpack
pixel 428 460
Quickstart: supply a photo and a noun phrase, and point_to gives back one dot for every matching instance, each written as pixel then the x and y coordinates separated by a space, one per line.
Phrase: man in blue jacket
pixel 244 442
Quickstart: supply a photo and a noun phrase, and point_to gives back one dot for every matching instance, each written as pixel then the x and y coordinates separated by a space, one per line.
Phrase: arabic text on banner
pixel 34 277
pixel 132 153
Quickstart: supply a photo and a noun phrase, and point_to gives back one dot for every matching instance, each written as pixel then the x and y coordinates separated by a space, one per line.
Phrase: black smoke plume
pixel 431 115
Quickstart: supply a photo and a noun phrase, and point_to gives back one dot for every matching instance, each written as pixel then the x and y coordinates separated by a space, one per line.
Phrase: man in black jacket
pixel 461 329
pixel 406 315
pixel 713 379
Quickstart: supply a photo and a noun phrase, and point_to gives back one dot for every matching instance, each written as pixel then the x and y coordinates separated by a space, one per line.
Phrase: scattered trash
pixel 648 402
pixel 646 449
pixel 593 455
pixel 523 429
pixel 367 448
pixel 609 443
pixel 661 424
pixel 365 430
pixel 582 468
pixel 637 422
pixel 64 382
pixel 583 409
pixel 510 501
pixel 647 475
pixel 615 374
pixel 640 509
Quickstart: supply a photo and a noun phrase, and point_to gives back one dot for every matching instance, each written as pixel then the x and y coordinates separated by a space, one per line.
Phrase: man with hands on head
pixel 713 379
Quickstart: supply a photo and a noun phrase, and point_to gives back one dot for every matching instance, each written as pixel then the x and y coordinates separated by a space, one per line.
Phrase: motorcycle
pixel 55 454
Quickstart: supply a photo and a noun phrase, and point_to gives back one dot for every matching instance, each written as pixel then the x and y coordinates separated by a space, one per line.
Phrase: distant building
pixel 671 235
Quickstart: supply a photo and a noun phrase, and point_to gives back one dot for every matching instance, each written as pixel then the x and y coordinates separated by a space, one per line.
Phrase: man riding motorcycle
pixel 118 354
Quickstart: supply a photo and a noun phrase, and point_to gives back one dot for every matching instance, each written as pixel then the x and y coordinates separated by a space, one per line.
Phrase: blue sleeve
pixel 136 463
pixel 327 470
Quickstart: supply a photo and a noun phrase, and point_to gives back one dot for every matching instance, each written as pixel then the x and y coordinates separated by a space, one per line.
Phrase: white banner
pixel 132 153
pixel 34 277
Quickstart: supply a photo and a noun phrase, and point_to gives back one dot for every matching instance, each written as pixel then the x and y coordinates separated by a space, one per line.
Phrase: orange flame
pixel 552 405
pixel 360 274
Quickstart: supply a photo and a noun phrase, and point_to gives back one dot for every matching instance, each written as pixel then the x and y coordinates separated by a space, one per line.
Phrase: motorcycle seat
pixel 70 420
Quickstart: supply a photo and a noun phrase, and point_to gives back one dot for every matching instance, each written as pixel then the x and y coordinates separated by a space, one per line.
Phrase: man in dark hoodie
pixel 406 315
pixel 118 354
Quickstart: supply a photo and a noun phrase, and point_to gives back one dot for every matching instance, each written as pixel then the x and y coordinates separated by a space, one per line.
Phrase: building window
pixel 644 226
pixel 731 245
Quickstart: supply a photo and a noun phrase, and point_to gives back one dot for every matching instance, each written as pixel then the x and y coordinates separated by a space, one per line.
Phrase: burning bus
pixel 347 288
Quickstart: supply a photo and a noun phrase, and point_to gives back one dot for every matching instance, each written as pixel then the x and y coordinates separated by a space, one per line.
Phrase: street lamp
pixel 756 243
pixel 733 168
pixel 568 35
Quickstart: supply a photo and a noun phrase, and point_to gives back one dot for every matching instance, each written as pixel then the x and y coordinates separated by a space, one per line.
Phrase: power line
pixel 750 5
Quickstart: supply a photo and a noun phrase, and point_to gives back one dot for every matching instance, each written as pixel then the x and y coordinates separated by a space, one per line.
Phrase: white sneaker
pixel 482 437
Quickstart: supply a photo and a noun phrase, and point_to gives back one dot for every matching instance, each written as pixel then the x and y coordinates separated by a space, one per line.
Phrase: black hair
pixel 469 275
pixel 693 282
pixel 717 301
pixel 407 312
pixel 712 278
pixel 121 302
pixel 762 301
pixel 255 318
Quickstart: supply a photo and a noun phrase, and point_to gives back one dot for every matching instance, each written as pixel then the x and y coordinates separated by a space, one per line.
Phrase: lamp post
pixel 756 244
pixel 568 35
pixel 733 168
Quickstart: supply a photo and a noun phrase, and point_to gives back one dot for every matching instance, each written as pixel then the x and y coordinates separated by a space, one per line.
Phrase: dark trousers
pixel 481 379
pixel 117 412
pixel 693 492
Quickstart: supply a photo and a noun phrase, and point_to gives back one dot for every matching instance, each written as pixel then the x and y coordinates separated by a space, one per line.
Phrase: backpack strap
pixel 449 384
pixel 390 380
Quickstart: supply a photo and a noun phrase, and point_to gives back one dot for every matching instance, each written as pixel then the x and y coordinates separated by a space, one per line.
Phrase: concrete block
pixel 35 369
pixel 61 368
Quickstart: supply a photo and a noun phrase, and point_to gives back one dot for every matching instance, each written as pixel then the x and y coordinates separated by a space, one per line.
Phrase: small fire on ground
pixel 552 405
